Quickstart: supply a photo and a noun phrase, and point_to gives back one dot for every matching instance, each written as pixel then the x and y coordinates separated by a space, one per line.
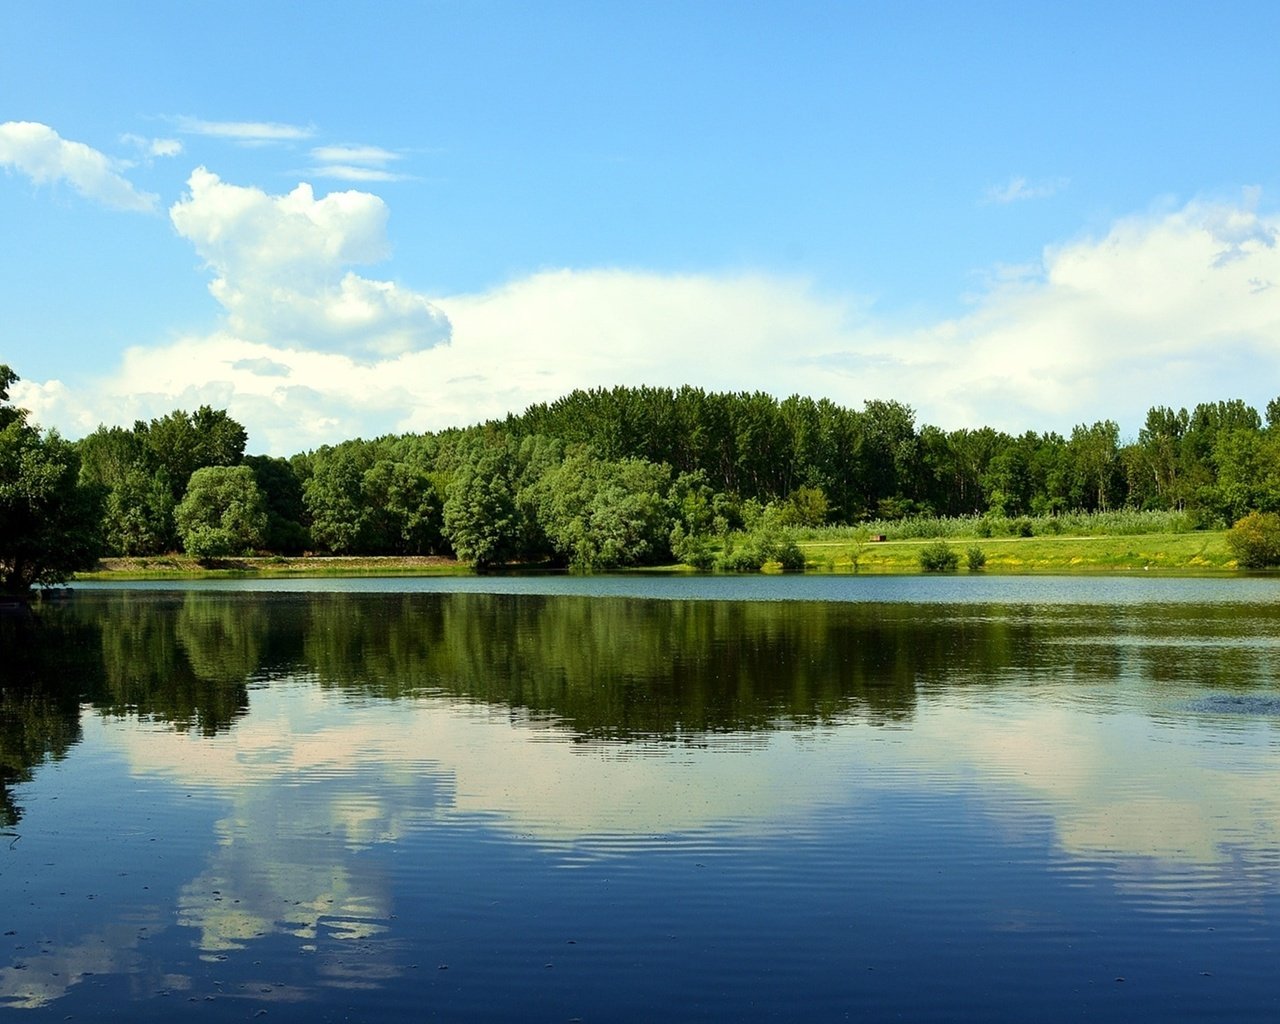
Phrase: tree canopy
pixel 49 522
pixel 618 476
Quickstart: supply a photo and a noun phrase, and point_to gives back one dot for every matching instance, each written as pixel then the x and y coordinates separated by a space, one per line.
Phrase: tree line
pixel 619 476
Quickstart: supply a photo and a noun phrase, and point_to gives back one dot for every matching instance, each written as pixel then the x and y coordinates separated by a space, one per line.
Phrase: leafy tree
pixel 1094 451
pixel 601 514
pixel 334 496
pixel 223 512
pixel 49 522
pixel 805 506
pixel 404 514
pixel 139 515
pixel 1161 441
pixel 286 513
pixel 481 518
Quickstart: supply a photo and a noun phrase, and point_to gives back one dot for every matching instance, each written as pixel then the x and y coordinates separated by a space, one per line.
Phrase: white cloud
pixel 249 132
pixel 1017 189
pixel 281 268
pixel 40 153
pixel 153 147
pixel 1147 314
pixel 349 154
pixel 355 163
pixel 350 172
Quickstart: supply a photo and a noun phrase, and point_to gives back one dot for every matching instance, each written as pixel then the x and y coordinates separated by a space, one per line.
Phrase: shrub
pixel 939 557
pixel 747 558
pixel 789 556
pixel 976 559
pixel 1255 540
pixel 693 549
pixel 1021 527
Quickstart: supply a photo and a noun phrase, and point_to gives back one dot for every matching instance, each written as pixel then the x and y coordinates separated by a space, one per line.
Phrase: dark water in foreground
pixel 624 800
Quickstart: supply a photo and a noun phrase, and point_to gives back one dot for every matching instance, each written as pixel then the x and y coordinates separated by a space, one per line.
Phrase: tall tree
pixel 49 521
pixel 222 512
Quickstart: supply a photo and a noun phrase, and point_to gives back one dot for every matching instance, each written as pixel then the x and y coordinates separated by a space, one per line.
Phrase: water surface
pixel 624 799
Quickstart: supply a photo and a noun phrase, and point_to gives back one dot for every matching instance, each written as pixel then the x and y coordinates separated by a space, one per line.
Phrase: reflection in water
pixel 335 792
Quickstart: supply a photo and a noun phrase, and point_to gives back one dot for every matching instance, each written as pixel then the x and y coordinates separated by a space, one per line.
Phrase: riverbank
pixel 1179 553
pixel 176 566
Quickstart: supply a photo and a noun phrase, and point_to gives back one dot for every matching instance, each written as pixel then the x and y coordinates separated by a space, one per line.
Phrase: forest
pixel 605 478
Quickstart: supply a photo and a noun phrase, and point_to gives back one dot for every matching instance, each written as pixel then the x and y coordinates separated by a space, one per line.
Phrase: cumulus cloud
pixel 1147 313
pixel 40 153
pixel 1239 228
pixel 280 265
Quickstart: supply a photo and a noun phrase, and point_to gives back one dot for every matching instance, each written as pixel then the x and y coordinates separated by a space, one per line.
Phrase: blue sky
pixel 340 220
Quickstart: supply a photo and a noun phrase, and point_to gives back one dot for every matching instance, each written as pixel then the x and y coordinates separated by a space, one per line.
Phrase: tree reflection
pixel 607 668
pixel 41 674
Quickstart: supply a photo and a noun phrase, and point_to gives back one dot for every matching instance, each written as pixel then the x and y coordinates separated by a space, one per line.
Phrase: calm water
pixel 631 800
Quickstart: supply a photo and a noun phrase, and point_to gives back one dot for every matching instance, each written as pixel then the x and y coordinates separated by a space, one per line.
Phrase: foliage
pixel 789 556
pixel 748 556
pixel 643 461
pixel 1255 540
pixel 692 549
pixel 600 514
pixel 481 518
pixel 975 559
pixel 939 557
pixel 144 472
pixel 286 511
pixel 223 512
pixel 50 524
pixel 750 552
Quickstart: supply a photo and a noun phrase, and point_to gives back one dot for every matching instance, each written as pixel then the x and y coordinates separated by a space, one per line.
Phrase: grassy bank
pixel 1198 552
pixel 1180 553
pixel 176 566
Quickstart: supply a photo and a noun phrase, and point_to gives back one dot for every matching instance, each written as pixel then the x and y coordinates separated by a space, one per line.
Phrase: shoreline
pixel 1188 554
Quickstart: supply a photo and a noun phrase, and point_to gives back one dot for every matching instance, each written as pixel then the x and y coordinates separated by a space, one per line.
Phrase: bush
pixel 1021 527
pixel 747 558
pixel 789 556
pixel 976 559
pixel 939 557
pixel 1255 540
pixel 693 549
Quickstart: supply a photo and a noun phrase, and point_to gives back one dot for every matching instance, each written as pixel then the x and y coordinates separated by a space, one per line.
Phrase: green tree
pixel 49 521
pixel 404 514
pixel 334 496
pixel 481 518
pixel 286 512
pixel 1095 453
pixel 223 512
pixel 600 514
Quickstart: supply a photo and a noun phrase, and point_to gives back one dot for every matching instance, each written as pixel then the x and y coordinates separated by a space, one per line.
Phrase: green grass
pixel 183 567
pixel 1199 552
pixel 830 550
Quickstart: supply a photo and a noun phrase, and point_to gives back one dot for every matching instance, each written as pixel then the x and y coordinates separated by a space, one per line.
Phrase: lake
pixel 631 799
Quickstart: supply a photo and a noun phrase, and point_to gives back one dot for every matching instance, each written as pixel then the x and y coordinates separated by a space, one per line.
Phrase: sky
pixel 339 220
